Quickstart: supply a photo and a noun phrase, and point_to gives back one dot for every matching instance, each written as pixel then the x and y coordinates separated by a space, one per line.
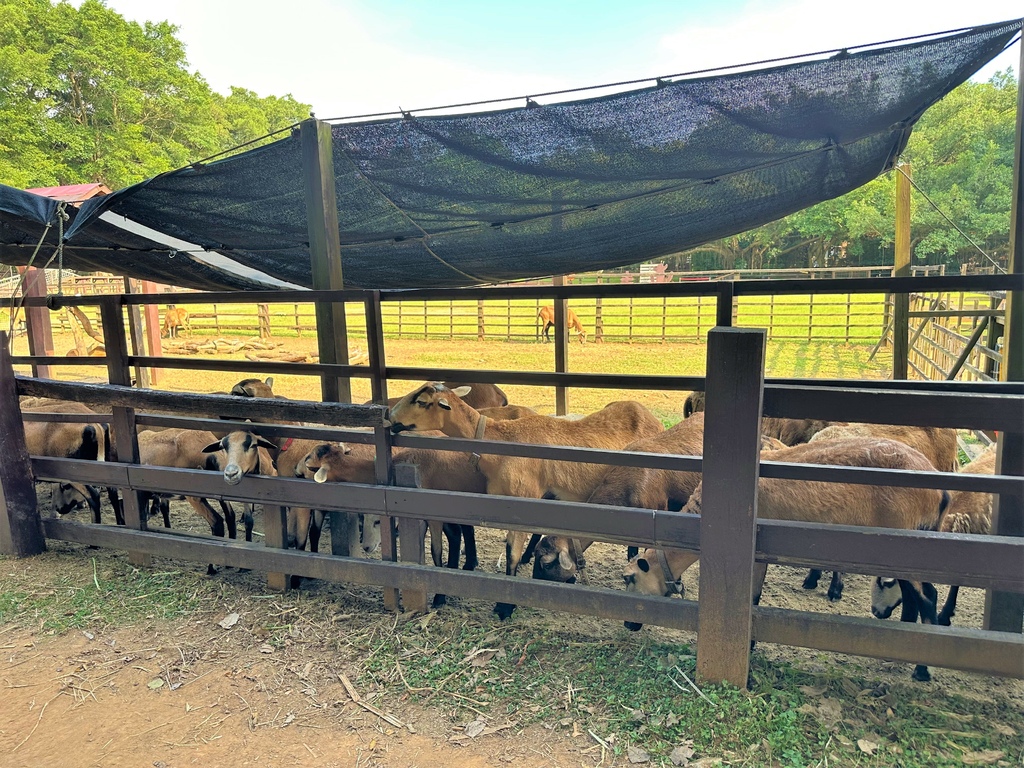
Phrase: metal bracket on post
pixel 732 441
pixel 21 530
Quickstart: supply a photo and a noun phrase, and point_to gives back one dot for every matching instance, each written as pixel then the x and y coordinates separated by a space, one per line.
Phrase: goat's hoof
pixel 810 583
pixel 470 566
pixel 438 601
pixel 944 620
pixel 504 610
pixel 834 596
pixel 210 570
pixel 921 674
pixel 296 582
pixel 632 626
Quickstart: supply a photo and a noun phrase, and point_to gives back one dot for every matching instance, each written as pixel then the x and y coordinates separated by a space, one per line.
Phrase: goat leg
pixel 813 575
pixel 949 609
pixel 469 535
pixel 835 588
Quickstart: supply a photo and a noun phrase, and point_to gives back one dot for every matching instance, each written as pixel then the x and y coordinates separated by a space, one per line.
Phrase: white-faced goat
pixel 435 407
pixel 819 502
pixel 438 470
pixel 968 512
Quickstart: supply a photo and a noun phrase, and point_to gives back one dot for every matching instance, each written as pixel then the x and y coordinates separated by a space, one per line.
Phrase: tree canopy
pixel 87 96
pixel 961 161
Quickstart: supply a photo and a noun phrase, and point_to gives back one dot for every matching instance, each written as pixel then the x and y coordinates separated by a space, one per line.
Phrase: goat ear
pixel 239 390
pixel 643 565
pixel 443 402
pixel 321 475
pixel 269 381
pixel 462 391
pixel 565 562
pixel 212 447
pixel 346 448
pixel 262 442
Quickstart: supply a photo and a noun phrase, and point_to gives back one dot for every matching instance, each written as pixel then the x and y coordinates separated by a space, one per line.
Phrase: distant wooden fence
pixel 727 534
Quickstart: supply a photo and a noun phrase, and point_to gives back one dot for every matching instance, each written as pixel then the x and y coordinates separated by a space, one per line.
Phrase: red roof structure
pixel 73 193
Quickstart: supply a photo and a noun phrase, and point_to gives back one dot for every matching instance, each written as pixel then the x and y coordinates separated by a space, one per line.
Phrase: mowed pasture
pixel 846 317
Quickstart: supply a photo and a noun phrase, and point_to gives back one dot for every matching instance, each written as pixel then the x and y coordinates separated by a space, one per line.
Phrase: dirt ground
pixel 189 692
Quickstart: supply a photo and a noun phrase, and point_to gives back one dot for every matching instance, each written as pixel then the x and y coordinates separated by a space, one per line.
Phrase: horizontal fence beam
pixel 987 652
pixel 248 366
pixel 333 414
pixel 855 285
pixel 911 408
pixel 945 558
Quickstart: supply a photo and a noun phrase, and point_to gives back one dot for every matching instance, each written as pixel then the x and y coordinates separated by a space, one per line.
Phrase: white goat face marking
pixel 886 596
pixel 369 536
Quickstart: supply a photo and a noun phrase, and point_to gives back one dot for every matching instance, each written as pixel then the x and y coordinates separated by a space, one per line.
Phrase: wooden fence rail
pixel 725 613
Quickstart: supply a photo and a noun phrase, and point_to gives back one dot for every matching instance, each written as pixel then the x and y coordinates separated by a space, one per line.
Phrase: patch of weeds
pixel 84 595
pixel 633 692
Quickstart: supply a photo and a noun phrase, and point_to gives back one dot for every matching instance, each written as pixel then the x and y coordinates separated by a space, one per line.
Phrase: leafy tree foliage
pixel 86 95
pixel 961 159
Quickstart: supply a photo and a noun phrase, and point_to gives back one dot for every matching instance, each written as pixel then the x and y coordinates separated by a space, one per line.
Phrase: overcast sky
pixel 351 57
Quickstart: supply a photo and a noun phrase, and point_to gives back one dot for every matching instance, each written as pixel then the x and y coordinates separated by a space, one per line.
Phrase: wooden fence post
pixel 732 441
pixel 325 254
pixel 263 318
pixel 21 531
pixel 411 539
pixel 480 331
pixel 37 320
pixel 154 346
pixel 275 534
pixel 725 305
pixel 598 321
pixel 561 348
pixel 124 438
pixel 901 301
pixel 382 467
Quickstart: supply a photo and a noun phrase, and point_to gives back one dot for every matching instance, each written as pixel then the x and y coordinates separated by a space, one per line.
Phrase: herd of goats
pixel 482 411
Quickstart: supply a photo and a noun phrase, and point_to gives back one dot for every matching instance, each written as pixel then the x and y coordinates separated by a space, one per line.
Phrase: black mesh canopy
pixel 492 197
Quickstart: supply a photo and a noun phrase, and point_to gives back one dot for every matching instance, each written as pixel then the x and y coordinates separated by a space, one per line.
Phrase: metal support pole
pixel 732 442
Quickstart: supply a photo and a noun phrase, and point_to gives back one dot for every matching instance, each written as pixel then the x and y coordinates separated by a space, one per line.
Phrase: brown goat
pixel 235 455
pixel 438 470
pixel 558 558
pixel 478 396
pixel 938 446
pixel 175 318
pixel 435 407
pixel 547 316
pixel 819 502
pixel 968 512
pixel 787 431
pixel 69 441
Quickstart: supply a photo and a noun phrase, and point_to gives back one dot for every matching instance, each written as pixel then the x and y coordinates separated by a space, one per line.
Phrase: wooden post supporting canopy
pixel 37 319
pixel 732 441
pixel 21 531
pixel 901 301
pixel 325 253
pixel 153 344
pixel 1005 610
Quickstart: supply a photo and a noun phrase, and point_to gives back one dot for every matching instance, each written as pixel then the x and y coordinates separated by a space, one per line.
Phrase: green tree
pixel 87 96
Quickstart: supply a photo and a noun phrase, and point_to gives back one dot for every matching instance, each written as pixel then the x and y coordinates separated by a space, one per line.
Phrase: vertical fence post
pixel 724 306
pixel 263 319
pixel 901 301
pixel 732 439
pixel 154 347
pixel 124 440
pixel 411 539
pixel 598 322
pixel 135 330
pixel 21 532
pixel 1005 610
pixel 480 331
pixel 561 348
pixel 37 320
pixel 383 468
pixel 325 254
pixel 275 535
